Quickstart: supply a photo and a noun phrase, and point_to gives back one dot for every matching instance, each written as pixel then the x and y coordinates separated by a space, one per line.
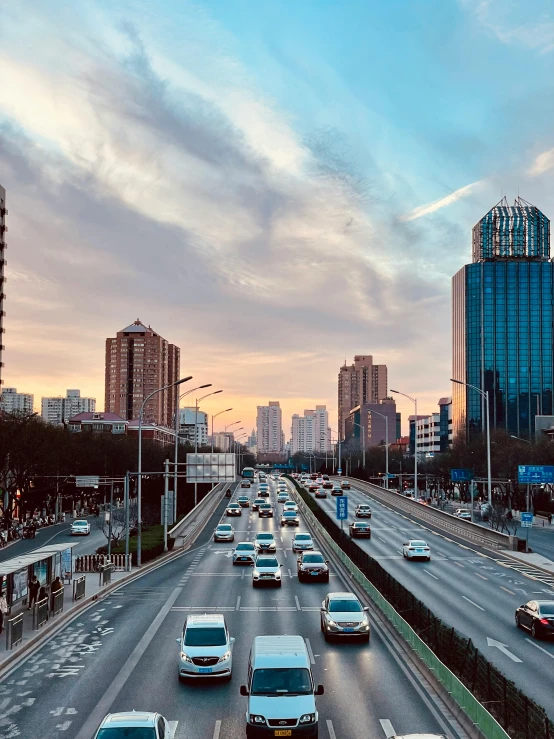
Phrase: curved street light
pixel 215 415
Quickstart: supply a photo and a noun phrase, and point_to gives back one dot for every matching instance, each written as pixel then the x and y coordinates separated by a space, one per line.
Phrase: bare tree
pixel 118 523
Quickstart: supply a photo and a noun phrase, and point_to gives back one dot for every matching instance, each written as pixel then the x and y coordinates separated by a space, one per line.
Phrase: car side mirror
pixel 232 640
pixel 326 561
pixel 178 641
pixel 243 690
pixel 366 609
pixel 280 565
pixel 322 609
pixel 319 690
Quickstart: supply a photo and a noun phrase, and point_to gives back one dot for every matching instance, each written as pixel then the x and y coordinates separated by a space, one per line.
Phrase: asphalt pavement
pixel 57 534
pixel 475 590
pixel 121 654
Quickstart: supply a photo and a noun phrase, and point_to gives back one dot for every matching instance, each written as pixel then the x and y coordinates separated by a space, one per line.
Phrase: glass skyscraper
pixel 503 323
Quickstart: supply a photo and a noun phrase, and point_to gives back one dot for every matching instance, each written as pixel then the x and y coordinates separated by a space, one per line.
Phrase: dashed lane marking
pixel 330 729
pixel 217 729
pixel 506 590
pixel 472 603
pixel 481 576
pixel 539 647
pixel 430 574
pixel 387 727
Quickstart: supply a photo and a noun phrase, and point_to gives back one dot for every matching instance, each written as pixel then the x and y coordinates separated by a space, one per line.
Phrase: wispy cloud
pixel 453 197
pixel 511 22
pixel 543 162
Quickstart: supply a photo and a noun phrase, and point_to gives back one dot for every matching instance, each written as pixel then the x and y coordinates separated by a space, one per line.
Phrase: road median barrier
pixel 470 679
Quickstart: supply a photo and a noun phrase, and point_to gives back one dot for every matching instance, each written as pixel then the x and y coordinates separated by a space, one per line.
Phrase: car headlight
pixel 277 575
pixel 307 718
pixel 185 657
pixel 330 620
pixel 255 719
pixel 255 573
pixel 225 657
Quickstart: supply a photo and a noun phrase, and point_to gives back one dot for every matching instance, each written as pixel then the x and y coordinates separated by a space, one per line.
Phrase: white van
pixel 280 689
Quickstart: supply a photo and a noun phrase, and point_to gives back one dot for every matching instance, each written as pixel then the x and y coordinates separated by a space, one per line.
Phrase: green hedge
pixel 152 544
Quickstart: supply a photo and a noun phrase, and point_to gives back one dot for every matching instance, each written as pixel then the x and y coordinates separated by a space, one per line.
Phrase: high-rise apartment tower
pixel 269 431
pixel 139 361
pixel 359 383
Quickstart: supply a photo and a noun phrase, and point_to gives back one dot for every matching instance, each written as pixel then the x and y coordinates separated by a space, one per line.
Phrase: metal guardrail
pixel 465 529
pixel 94 562
pixel 40 613
pixel 105 574
pixel 487 724
pixel 198 509
pixel 57 601
pixel 79 585
pixel 14 631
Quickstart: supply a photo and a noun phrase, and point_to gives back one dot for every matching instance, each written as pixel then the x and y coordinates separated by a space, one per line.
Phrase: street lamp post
pixel 139 486
pixel 363 441
pixel 528 492
pixel 215 416
pixel 238 445
pixel 414 401
pixel 178 398
pixel 386 445
pixel 215 392
pixel 484 394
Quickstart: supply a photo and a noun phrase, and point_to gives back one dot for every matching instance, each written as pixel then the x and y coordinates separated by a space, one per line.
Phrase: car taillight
pixel 545 621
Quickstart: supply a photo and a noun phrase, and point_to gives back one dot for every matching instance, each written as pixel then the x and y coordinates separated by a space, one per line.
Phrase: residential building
pixel 3 245
pixel 13 402
pixel 58 410
pixel 223 440
pixel 373 424
pixel 138 362
pixel 190 421
pixel 269 431
pixel 311 432
pixel 503 317
pixel 150 431
pixel 97 423
pixel 359 383
pixel 434 432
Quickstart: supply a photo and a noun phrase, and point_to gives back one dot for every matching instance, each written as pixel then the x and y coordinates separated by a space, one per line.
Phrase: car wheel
pixel 326 579
pixel 534 632
pixel 254 584
pixel 299 577
pixel 428 559
pixel 181 678
pixel 326 634
pixel 518 625
pixel 279 584
pixel 315 735
pixel 366 639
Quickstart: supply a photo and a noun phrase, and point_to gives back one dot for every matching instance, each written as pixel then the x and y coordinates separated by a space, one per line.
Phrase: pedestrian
pixel 509 515
pixel 55 588
pixel 42 593
pixel 3 610
pixel 34 586
pixel 549 519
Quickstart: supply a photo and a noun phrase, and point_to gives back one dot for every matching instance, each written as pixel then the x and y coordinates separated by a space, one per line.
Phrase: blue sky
pixel 274 186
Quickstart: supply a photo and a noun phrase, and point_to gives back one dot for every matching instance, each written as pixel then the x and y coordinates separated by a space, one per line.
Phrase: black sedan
pixel 359 529
pixel 538 617
pixel 233 509
pixel 265 510
pixel 312 566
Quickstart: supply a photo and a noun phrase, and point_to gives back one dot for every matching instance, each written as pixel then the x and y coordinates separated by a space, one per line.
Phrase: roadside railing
pixel 14 631
pixel 40 613
pixel 105 574
pixel 57 601
pixel 79 585
pixel 95 562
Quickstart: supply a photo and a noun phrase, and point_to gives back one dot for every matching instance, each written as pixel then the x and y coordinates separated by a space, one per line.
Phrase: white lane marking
pixel 481 576
pixel 237 607
pixel 173 728
pixel 284 552
pixel 112 691
pixel 430 573
pixel 330 729
pixel 290 573
pixel 383 540
pixel 217 729
pixel 541 648
pixel 472 603
pixel 298 608
pixel 310 651
pixel 387 727
pixel 506 590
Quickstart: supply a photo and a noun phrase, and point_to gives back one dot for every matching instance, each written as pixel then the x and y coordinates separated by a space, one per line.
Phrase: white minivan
pixel 280 689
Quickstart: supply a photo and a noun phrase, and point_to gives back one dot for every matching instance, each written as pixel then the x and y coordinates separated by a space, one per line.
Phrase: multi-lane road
pixel 57 534
pixel 473 589
pixel 121 654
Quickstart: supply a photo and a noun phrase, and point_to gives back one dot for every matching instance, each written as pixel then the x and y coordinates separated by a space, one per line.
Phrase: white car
pixel 266 570
pixel 265 542
pixel 137 723
pixel 464 514
pixel 343 615
pixel 244 553
pixel 290 505
pixel 80 528
pixel 206 647
pixel 224 532
pixel 302 542
pixel 416 549
pixel 282 497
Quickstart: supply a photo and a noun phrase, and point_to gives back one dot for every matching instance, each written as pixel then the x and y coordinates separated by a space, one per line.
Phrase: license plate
pixel 348 629
pixel 314 573
pixel 243 559
pixel 282 732
pixel 419 551
pixel 205 670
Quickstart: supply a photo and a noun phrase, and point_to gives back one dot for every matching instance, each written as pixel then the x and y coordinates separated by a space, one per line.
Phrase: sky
pixel 273 186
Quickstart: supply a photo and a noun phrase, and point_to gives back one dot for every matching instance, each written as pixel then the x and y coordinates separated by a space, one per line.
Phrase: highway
pixel 121 654
pixel 57 534
pixel 468 588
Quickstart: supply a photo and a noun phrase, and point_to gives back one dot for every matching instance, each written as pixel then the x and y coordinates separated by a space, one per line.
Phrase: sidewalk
pixel 92 588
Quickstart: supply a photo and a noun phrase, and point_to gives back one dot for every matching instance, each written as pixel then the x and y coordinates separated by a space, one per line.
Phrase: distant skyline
pixel 274 186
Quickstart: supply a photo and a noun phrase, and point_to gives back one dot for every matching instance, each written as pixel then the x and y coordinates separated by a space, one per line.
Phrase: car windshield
pixel 547 609
pixel 259 500
pixel 350 606
pixel 289 514
pixel 264 537
pixel 233 505
pixel 224 528
pixel 302 537
pixel 313 558
pixel 245 547
pixel 281 681
pixel 205 636
pixel 363 507
pixel 418 544
pixel 265 506
pixel 80 523
pixel 361 525
pixel 266 562
pixel 127 732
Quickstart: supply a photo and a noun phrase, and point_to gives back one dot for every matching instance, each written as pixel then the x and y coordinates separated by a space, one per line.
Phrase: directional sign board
pixel 211 468
pixel 342 508
pixel 87 481
pixel 526 520
pixel 535 473
pixel 461 475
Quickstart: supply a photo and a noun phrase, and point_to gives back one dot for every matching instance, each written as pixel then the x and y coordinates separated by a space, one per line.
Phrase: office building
pixel 3 245
pixel 224 441
pixel 139 361
pixel 191 420
pixel 13 402
pixel 252 442
pixel 434 432
pixel 374 424
pixel 502 313
pixel 311 432
pixel 269 431
pixel 359 383
pixel 58 410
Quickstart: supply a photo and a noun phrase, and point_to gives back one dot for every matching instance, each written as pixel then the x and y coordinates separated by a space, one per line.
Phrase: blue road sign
pixel 526 520
pixel 535 473
pixel 461 475
pixel 339 471
pixel 342 508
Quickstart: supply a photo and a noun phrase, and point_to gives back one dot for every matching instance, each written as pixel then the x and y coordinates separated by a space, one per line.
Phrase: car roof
pixel 302 533
pixel 313 551
pixel 250 543
pixel 224 525
pixel 265 533
pixel 342 596
pixel 136 718
pixel 195 620
pixel 364 524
